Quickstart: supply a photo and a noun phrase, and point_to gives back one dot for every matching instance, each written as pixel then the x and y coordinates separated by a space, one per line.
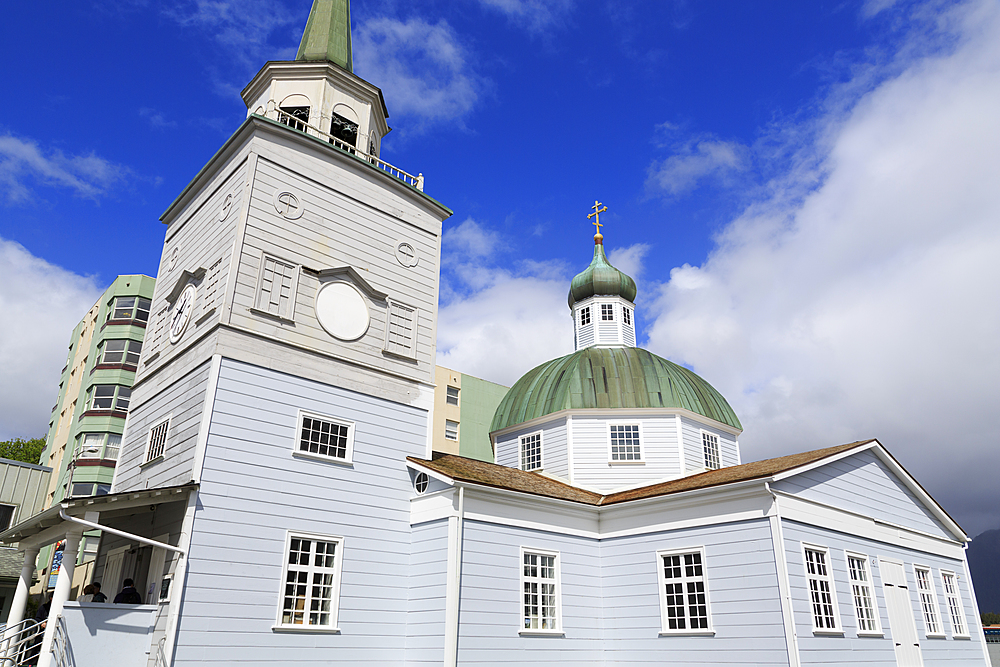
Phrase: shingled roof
pixel 462 469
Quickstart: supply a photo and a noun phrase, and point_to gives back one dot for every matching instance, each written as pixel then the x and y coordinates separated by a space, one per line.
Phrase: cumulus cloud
pixel 630 260
pixel 695 161
pixel 423 64
pixel 860 299
pixel 243 27
pixel 41 303
pixel 532 14
pixel 24 165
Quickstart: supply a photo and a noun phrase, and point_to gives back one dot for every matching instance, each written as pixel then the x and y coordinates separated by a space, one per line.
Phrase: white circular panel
pixel 342 311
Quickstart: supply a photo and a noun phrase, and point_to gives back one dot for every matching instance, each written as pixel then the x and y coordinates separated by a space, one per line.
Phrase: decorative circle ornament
pixel 342 311
pixel 182 313
pixel 287 205
pixel 227 206
pixel 406 254
pixel 172 262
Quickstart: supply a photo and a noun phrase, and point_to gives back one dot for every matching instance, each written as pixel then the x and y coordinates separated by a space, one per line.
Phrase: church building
pixel 277 499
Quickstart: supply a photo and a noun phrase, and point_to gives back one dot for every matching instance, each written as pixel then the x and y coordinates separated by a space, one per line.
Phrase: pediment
pixel 182 280
pixel 350 273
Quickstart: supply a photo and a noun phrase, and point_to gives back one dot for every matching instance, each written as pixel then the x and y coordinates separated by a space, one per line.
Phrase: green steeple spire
pixel 328 34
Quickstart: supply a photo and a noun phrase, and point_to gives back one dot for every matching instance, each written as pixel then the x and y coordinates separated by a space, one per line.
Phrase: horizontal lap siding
pixel 742 591
pixel 553 447
pixel 694 448
pixel 428 583
pixel 491 612
pixel 591 452
pixel 184 401
pixel 253 491
pixel 851 649
pixel 883 496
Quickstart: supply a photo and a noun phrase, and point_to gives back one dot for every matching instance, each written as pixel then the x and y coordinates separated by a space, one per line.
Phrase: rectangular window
pixel 861 591
pixel 91 446
pixel 401 330
pixel 124 396
pixel 821 591
pixel 311 593
pixel 540 586
pixel 113 448
pixel 955 610
pixel 452 397
pixel 531 451
pixel 450 429
pixel 683 592
pixel 607 312
pixel 276 287
pixel 625 442
pixel 627 316
pixel 82 490
pixel 6 516
pixel 928 600
pixel 157 441
pixel 325 437
pixel 710 442
pixel 129 308
pixel 120 351
pixel 585 316
pixel 104 397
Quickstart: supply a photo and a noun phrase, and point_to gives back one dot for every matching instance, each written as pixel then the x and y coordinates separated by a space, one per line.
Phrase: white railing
pixel 21 643
pixel 61 655
pixel 298 124
pixel 161 657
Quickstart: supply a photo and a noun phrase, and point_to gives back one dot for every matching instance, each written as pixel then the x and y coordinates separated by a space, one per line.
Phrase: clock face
pixel 182 313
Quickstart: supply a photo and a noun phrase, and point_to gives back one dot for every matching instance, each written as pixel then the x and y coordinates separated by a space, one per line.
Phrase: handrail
pixel 18 641
pixel 291 121
pixel 120 533
pixel 161 657
pixel 61 655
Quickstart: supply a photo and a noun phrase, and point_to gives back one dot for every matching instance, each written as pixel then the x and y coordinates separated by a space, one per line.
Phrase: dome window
pixel 585 316
pixel 531 451
pixel 627 316
pixel 607 312
pixel 625 445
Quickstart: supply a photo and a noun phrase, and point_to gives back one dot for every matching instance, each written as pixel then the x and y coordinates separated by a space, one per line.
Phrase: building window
pixel 710 442
pixel 861 591
pixel 450 429
pixel 343 129
pixel 955 611
pixel 627 316
pixel 294 117
pixel 109 397
pixel 91 445
pixel 129 308
pixel 625 442
pixel 276 287
pixel 607 312
pixel 585 316
pixel 683 592
pixel 401 331
pixel 928 600
pixel 82 490
pixel 821 592
pixel 157 440
pixel 540 586
pixel 452 397
pixel 6 516
pixel 118 351
pixel 531 451
pixel 420 482
pixel 311 578
pixel 113 447
pixel 325 437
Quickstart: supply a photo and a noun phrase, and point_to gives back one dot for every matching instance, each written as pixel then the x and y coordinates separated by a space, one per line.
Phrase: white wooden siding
pixel 694 449
pixel 554 455
pixel 861 483
pixel 427 584
pixel 591 467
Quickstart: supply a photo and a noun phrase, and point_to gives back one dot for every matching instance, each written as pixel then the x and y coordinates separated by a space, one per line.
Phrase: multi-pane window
pixel 401 332
pixel 325 437
pixel 157 440
pixel 129 308
pixel 91 445
pixel 540 585
pixel 928 600
pixel 861 591
pixel 311 582
pixel 710 443
pixel 119 351
pixel 450 429
pixel 625 442
pixel 276 287
pixel 821 595
pixel 585 316
pixel 607 312
pixel 531 452
pixel 954 603
pixel 627 316
pixel 452 396
pixel 683 594
pixel 110 397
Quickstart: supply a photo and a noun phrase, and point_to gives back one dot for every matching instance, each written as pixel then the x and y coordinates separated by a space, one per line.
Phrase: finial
pixel 598 209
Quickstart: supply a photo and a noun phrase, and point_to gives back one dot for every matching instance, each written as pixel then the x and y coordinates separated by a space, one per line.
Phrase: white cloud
pixel 41 304
pixel 630 260
pixel 242 27
pixel 695 161
pixel 532 14
pixel 423 64
pixel 868 307
pixel 470 240
pixel 23 164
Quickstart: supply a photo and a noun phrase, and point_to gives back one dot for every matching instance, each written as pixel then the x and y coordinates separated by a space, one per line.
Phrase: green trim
pixel 328 34
pixel 601 278
pixel 610 378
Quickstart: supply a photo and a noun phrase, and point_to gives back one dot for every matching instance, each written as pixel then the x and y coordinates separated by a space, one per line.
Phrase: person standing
pixel 98 595
pixel 128 595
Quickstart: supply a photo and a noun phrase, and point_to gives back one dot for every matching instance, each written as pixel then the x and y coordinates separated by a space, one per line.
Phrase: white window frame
pixel 718 448
pixel 293 291
pixel 838 628
pixel 448 429
pixel 338 565
pixel 642 446
pixel 558 630
pixel 932 593
pixel 297 442
pixel 870 586
pixel 957 597
pixel 662 580
pixel 448 398
pixel 412 354
pixel 149 441
pixel 611 311
pixel 585 312
pixel 541 450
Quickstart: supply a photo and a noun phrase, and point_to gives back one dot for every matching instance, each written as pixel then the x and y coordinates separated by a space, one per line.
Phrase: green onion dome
pixel 610 378
pixel 601 278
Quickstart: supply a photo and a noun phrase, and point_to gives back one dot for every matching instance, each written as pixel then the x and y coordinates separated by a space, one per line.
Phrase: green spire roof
pixel 601 278
pixel 328 34
pixel 610 378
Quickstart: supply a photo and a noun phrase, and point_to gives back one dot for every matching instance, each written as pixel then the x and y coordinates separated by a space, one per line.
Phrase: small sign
pixel 165 588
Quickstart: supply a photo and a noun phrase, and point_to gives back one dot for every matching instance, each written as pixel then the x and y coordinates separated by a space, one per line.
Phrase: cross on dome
pixel 598 209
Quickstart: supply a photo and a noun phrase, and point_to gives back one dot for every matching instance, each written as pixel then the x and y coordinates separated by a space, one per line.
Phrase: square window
pixel 822 596
pixel 157 440
pixel 450 429
pixel 91 446
pixel 325 437
pixel 452 396
pixel 710 443
pixel 310 593
pixel 683 592
pixel 607 312
pixel 104 397
pixel 625 442
pixel 531 451
pixel 114 351
pixel 585 316
pixel 540 589
pixel 861 591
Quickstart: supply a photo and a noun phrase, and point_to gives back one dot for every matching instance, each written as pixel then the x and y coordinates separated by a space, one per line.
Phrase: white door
pixel 113 572
pixel 901 622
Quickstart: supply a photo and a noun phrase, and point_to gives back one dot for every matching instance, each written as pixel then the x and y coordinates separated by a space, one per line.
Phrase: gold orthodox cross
pixel 598 209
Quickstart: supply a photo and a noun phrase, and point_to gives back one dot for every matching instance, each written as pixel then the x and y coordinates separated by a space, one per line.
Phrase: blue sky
pixel 803 190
